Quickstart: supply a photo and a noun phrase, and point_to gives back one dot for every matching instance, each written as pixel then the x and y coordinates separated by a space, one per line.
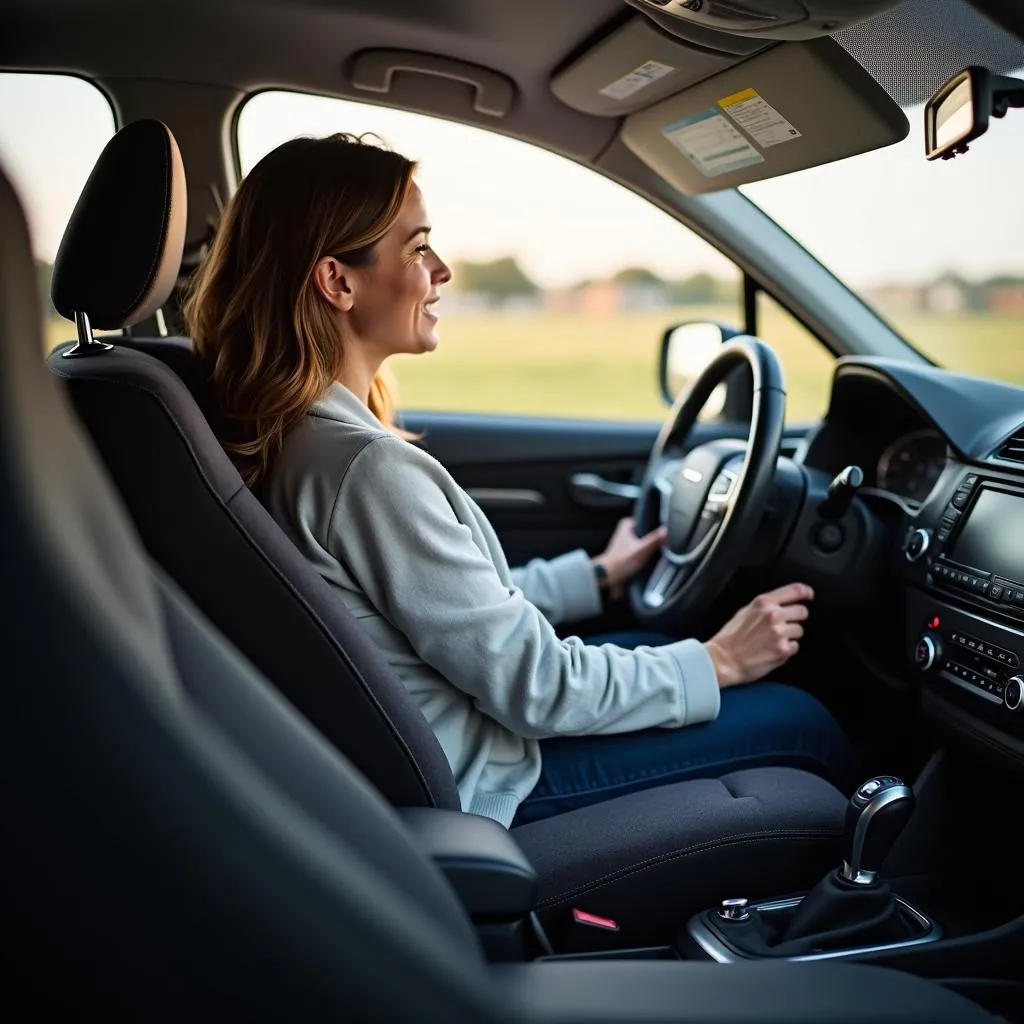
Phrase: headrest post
pixel 87 344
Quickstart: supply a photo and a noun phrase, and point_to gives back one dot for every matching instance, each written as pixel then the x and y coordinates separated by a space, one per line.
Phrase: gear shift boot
pixel 836 914
pixel 767 930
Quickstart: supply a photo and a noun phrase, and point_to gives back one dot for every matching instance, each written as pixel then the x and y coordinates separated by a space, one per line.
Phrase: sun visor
pixel 634 66
pixel 794 106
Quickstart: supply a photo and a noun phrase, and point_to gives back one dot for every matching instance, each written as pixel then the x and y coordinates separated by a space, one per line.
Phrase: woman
pixel 322 269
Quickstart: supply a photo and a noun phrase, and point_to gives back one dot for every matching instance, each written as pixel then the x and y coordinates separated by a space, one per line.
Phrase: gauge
pixel 912 464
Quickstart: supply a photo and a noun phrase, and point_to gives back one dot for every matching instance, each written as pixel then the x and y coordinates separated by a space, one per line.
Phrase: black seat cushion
pixel 646 860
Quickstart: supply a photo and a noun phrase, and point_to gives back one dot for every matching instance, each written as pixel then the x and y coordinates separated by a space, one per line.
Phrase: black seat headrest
pixel 121 252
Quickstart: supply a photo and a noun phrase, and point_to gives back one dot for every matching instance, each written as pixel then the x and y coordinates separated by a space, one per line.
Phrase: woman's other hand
pixel 761 636
pixel 627 554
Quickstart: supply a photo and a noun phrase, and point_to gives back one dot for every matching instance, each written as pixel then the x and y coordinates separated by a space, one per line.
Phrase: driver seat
pixel 647 860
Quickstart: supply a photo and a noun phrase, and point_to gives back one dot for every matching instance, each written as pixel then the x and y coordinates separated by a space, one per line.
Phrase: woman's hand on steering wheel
pixel 761 636
pixel 626 554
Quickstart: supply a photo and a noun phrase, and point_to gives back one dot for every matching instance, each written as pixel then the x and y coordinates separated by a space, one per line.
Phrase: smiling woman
pixel 552 310
pixel 320 271
pixel 355 229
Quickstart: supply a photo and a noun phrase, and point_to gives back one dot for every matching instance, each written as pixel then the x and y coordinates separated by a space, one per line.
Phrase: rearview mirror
pixel 958 112
pixel 685 350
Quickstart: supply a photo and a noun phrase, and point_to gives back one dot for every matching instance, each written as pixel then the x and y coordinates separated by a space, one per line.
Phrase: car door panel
pixel 542 481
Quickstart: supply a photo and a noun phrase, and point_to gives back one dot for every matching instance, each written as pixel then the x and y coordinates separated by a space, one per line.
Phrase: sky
pixel 883 216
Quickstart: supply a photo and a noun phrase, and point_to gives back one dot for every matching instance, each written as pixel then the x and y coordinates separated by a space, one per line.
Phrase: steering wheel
pixel 711 498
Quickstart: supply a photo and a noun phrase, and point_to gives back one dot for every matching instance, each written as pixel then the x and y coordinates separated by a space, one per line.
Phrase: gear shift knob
pixel 875 817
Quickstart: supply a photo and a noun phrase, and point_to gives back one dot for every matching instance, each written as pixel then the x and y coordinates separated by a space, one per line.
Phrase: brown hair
pixel 267 336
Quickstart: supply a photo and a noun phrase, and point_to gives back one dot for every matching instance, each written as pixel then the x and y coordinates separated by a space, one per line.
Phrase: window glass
pixel 935 247
pixel 806 363
pixel 52 131
pixel 563 281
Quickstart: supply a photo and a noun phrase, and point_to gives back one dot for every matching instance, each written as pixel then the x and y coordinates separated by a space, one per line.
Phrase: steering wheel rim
pixel 725 484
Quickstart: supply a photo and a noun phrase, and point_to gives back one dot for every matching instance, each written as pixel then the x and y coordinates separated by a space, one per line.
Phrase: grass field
pixel 571 365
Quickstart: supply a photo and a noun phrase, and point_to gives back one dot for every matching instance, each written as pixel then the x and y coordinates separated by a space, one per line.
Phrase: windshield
pixel 936 247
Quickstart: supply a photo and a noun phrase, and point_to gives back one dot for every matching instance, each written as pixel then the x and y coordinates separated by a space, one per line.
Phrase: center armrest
pixel 667 992
pixel 480 859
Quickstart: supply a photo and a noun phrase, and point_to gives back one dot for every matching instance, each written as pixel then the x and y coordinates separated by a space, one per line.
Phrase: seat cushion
pixel 651 859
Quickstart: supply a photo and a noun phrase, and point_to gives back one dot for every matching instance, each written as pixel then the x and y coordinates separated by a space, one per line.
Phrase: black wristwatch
pixel 601 575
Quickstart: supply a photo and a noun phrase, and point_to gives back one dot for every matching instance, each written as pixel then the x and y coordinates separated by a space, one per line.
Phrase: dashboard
pixel 943 462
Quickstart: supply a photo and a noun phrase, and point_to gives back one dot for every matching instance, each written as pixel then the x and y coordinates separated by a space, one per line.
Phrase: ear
pixel 332 281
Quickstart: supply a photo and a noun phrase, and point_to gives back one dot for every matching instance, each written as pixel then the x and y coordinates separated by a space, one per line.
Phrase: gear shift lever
pixel 850 909
pixel 875 817
pixel 851 905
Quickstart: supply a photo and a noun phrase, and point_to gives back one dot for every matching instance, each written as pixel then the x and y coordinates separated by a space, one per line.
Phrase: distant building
pixel 601 298
pixel 1007 299
pixel 562 300
pixel 947 295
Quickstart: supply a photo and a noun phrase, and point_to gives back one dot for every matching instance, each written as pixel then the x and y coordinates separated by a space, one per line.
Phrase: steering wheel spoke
pixel 665 579
pixel 674 569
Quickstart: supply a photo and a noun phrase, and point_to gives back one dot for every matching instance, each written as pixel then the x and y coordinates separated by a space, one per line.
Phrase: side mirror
pixel 685 350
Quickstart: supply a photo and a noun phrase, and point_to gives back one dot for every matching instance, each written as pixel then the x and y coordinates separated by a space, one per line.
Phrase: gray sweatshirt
pixel 417 563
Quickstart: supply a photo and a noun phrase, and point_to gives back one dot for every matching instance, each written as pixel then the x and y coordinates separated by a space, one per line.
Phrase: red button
pixel 593 921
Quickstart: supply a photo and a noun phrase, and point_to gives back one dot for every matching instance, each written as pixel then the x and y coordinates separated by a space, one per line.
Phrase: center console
pixel 965 608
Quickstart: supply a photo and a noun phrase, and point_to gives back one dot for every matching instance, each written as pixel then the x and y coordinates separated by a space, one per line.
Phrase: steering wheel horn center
pixel 698 499
pixel 711 498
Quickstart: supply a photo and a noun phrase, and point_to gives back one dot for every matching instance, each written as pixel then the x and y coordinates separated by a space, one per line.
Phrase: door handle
pixel 505 497
pixel 591 486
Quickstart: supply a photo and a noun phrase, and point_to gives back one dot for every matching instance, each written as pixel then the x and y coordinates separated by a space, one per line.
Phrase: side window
pixel 807 364
pixel 52 130
pixel 563 281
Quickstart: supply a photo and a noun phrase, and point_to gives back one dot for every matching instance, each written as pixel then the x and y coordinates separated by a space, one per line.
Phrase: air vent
pixel 1012 449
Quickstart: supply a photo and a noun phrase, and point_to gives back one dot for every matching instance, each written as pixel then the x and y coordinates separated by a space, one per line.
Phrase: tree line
pixel 504 278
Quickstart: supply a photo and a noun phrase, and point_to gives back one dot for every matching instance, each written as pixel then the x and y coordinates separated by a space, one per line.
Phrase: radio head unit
pixel 981 545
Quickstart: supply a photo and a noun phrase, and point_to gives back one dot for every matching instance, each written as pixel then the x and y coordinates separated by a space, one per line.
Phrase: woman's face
pixel 392 299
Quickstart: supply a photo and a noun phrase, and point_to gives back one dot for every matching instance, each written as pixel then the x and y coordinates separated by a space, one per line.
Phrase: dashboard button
pixel 927 652
pixel 960 499
pixel 995 592
pixel 1013 693
pixel 917 544
pixel 968 481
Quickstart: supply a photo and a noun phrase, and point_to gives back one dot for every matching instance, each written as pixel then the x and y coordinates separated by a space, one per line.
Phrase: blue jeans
pixel 759 724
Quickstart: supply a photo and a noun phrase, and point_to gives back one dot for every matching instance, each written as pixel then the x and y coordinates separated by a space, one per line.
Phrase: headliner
pixel 304 44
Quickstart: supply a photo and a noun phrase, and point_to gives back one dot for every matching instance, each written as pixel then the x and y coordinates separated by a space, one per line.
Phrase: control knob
pixel 928 651
pixel 1013 693
pixel 917 544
